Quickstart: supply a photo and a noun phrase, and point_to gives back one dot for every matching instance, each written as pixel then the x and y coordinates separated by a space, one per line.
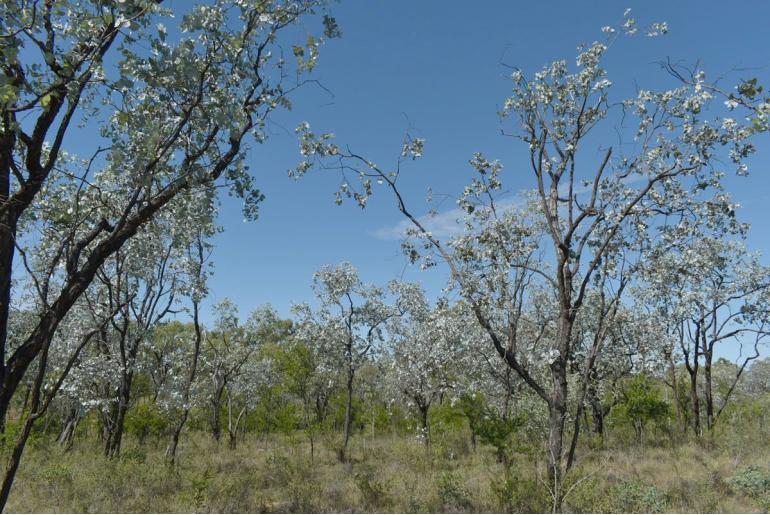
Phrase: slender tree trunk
pixel 424 409
pixel 216 413
pixel 14 460
pixel 557 415
pixel 118 423
pixel 597 413
pixel 694 397
pixel 709 392
pixel 348 415
pixel 680 415
pixel 67 435
pixel 172 446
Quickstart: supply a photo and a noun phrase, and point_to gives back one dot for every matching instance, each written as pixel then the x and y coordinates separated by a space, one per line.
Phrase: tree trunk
pixel 171 449
pixel 7 237
pixel 709 392
pixel 67 435
pixel 348 415
pixel 112 448
pixel 216 413
pixel 678 402
pixel 597 414
pixel 556 418
pixel 424 409
pixel 695 404
pixel 232 441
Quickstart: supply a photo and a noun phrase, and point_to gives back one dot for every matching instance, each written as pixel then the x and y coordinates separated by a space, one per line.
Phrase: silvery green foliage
pixel 177 99
pixel 756 380
pixel 230 344
pixel 711 292
pixel 348 326
pixel 142 285
pixel 426 347
pixel 590 213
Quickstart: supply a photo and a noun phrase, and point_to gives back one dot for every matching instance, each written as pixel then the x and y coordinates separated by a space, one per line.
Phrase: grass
pixel 388 473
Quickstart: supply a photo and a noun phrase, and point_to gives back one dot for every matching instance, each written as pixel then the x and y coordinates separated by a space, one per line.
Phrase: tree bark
pixel 216 413
pixel 348 415
pixel 172 446
pixel 67 435
pixel 424 408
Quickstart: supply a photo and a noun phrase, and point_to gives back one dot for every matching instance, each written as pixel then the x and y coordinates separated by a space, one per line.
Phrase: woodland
pixel 600 344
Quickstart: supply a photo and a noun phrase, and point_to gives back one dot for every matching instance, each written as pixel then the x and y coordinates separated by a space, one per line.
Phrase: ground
pixel 388 473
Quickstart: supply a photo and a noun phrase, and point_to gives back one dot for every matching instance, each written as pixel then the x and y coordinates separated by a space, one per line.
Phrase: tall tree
pixel 589 205
pixel 347 327
pixel 176 108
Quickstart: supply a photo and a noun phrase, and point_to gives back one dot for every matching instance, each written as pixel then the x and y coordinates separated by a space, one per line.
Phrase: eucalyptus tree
pixel 757 379
pixel 198 252
pixel 176 106
pixel 715 294
pixel 58 356
pixel 426 345
pixel 258 379
pixel 228 347
pixel 347 327
pixel 145 277
pixel 589 204
pixel 244 392
pixel 307 377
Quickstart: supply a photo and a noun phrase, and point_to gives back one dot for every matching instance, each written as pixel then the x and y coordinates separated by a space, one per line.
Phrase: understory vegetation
pixel 392 471
pixel 597 341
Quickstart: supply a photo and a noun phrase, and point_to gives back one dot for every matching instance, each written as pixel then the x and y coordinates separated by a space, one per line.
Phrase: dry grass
pixel 387 474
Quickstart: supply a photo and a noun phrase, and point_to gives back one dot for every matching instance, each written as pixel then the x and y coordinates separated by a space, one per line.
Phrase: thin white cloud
pixel 442 225
pixel 445 224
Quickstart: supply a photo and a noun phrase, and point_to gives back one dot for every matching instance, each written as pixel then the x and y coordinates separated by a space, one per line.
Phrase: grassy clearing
pixel 388 473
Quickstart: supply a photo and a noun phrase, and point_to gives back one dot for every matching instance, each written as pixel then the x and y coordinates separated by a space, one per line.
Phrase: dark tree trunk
pixel 117 424
pixel 171 449
pixel 67 435
pixel 424 408
pixel 695 398
pixel 216 412
pixel 348 415
pixel 709 391
pixel 597 416
pixel 557 413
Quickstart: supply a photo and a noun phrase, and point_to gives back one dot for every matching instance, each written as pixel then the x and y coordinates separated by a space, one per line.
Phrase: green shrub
pixel 753 482
pixel 55 474
pixel 146 419
pixel 642 403
pixel 199 490
pixel 134 454
pixel 373 491
pixel 636 496
pixel 453 495
pixel 515 494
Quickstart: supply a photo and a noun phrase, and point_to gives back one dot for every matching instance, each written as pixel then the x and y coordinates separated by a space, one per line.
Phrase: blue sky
pixel 435 68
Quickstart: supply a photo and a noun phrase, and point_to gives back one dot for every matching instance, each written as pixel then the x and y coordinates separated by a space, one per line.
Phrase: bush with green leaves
pixel 374 492
pixel 147 419
pixel 517 494
pixel 452 493
pixel 488 425
pixel 637 496
pixel 641 404
pixel 753 482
